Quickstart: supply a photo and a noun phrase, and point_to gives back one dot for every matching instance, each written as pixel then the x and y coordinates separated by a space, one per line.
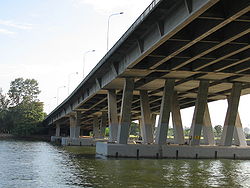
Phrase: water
pixel 41 165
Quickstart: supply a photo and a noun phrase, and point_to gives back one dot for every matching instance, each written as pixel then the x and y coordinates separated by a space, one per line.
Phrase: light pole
pixel 69 79
pixel 108 27
pixel 85 53
pixel 57 97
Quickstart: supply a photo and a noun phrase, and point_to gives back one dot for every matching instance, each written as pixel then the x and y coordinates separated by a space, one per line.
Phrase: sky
pixel 50 40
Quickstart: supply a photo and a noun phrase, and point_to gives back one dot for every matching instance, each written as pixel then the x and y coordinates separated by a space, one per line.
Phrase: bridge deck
pixel 187 40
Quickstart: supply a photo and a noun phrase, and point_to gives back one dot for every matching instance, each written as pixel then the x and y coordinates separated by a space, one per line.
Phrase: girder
pixel 185 40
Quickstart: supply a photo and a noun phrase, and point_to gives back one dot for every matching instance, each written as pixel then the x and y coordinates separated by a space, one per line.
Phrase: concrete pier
pixel 67 141
pixel 172 151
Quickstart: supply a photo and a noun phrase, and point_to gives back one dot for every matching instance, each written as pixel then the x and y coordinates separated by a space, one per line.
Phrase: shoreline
pixel 45 138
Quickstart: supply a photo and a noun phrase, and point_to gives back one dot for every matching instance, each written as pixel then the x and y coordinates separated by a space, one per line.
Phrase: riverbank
pixel 6 136
pixel 45 138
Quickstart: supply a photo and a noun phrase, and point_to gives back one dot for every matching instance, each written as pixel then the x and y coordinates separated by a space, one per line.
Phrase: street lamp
pixel 57 97
pixel 115 14
pixel 85 53
pixel 73 73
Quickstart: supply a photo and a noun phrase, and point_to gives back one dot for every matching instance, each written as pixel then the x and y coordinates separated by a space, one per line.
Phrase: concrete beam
pixel 146 127
pixel 231 116
pixel 125 117
pixel 199 112
pixel 162 129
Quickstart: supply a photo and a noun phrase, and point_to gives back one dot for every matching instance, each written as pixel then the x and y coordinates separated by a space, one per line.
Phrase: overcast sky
pixel 47 39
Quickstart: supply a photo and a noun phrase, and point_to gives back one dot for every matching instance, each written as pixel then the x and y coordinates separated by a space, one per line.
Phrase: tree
pixel 134 129
pixel 26 116
pixel 4 103
pixel 23 90
pixel 22 112
pixel 218 130
pixel 186 131
pixel 247 132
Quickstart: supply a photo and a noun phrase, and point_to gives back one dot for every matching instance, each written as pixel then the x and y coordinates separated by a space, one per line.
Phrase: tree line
pixel 21 112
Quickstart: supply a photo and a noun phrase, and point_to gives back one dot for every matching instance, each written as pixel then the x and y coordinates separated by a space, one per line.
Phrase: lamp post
pixel 85 53
pixel 73 73
pixel 115 14
pixel 57 97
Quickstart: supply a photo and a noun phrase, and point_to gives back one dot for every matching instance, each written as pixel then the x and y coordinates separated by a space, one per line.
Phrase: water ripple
pixel 41 165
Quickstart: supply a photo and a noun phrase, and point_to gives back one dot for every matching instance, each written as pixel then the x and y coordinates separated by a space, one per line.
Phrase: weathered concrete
pixel 58 129
pixel 207 128
pixel 172 151
pixel 146 122
pixel 67 141
pixel 112 116
pixel 239 135
pixel 74 127
pixel 96 132
pixel 103 124
pixel 162 128
pixel 231 116
pixel 125 120
pixel 198 117
pixel 56 139
pixel 177 122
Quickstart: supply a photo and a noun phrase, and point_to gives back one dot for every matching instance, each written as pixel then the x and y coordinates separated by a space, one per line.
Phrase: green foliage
pixel 186 131
pixel 23 90
pixel 170 132
pixel 107 131
pixel 134 129
pixel 3 112
pixel 247 132
pixel 23 112
pixel 26 116
pixel 218 130
pixel 4 102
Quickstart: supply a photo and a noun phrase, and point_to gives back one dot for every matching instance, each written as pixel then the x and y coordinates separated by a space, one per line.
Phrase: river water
pixel 26 164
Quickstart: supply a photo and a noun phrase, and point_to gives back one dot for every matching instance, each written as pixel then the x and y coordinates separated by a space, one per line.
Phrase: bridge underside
pixel 178 54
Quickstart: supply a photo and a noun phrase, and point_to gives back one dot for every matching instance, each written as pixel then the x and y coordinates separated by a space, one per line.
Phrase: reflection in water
pixel 39 164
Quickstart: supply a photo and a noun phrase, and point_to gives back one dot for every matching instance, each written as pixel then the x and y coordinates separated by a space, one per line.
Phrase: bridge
pixel 177 54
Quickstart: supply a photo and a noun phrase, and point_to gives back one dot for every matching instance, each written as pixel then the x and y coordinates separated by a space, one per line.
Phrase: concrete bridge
pixel 177 54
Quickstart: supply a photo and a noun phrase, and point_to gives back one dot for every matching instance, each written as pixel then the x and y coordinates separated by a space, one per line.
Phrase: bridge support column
pixel 153 120
pixel 125 119
pixel 96 127
pixel 239 135
pixel 146 123
pixel 112 116
pixel 199 111
pixel 162 129
pixel 74 127
pixel 103 124
pixel 58 129
pixel 231 116
pixel 176 119
pixel 208 133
